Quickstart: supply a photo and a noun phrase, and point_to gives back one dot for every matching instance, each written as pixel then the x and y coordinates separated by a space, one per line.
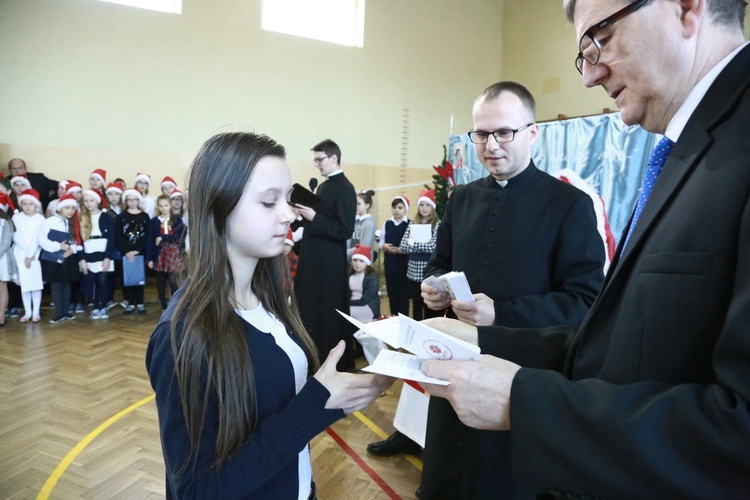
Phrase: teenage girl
pixel 419 252
pixel 131 230
pixel 165 233
pixel 364 224
pixel 394 262
pixel 26 250
pixel 114 197
pixel 364 302
pixel 61 275
pixel 96 260
pixel 8 268
pixel 230 361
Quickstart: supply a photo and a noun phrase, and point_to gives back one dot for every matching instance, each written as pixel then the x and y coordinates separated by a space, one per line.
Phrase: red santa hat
pixel 143 177
pixel 21 178
pixel 363 253
pixel 30 194
pixel 67 200
pixel 100 198
pixel 403 199
pixel 176 193
pixel 289 240
pixel 100 173
pixel 168 181
pixel 73 186
pixel 427 195
pixel 115 186
pixel 132 192
pixel 6 203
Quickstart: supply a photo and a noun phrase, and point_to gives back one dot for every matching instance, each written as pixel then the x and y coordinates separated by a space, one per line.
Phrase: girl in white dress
pixel 26 251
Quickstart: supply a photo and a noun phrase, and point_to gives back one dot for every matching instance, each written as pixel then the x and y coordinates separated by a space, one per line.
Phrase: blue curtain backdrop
pixel 608 154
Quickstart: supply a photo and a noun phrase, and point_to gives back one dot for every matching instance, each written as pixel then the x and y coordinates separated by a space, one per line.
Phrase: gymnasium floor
pixel 78 419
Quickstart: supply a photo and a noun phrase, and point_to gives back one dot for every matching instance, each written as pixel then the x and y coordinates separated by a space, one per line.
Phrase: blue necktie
pixel 655 163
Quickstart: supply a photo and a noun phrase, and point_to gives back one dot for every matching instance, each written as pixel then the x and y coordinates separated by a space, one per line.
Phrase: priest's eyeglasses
pixel 501 135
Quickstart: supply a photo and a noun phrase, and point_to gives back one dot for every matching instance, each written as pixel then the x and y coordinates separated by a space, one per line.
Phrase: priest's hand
pixel 481 312
pixel 454 328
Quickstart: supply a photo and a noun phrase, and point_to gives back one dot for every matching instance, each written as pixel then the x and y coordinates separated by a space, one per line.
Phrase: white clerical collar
pixel 502 184
pixel 337 172
pixel 679 120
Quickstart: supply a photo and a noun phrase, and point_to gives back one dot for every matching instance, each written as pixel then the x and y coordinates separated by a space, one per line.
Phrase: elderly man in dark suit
pixel 650 397
pixel 47 188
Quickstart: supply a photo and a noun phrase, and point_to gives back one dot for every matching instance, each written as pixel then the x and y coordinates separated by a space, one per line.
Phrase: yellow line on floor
pixel 382 434
pixel 58 472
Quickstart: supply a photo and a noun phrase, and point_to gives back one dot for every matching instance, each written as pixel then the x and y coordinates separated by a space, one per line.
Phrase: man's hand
pixel 434 299
pixel 454 328
pixel 478 313
pixel 479 391
pixel 307 213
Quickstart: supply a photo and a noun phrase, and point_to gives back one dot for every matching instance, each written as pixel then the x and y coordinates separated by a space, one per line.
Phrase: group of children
pixel 90 240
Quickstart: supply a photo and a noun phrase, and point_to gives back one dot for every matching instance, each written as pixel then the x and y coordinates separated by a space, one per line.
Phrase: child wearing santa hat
pixel 364 302
pixel 178 202
pixel 98 179
pixel 163 253
pixel 131 237
pixel 28 223
pixel 394 262
pixel 148 203
pixel 62 189
pixel 60 275
pixel 114 197
pixel 97 259
pixel 8 268
pixel 419 250
pixel 168 185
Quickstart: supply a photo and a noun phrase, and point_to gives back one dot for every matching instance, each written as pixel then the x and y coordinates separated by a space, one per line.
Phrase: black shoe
pixel 395 444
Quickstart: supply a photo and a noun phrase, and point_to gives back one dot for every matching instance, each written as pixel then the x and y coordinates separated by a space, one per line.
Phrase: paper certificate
pixel 421 340
pixel 420 233
pixel 401 365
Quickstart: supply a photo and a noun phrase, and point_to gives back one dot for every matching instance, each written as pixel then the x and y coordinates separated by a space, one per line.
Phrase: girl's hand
pixel 131 255
pixel 67 253
pixel 150 264
pixel 28 262
pixel 349 392
pixel 105 265
pixel 84 267
pixel 64 246
pixel 158 240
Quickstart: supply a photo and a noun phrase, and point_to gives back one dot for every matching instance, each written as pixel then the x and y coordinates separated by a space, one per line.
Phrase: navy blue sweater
pixel 266 467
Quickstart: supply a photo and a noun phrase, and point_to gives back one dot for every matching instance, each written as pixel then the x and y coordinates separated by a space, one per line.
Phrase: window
pixel 337 21
pixel 171 6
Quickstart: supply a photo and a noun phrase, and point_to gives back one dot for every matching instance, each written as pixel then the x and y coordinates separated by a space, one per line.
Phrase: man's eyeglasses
pixel 590 47
pixel 320 159
pixel 501 135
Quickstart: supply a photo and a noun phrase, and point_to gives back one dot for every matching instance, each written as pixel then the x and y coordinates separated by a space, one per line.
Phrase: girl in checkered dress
pixel 163 253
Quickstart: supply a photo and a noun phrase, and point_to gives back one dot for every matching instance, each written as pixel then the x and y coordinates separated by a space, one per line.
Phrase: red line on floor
pixel 362 465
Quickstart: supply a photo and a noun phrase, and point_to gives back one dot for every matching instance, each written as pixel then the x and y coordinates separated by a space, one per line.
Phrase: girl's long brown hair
pixel 208 337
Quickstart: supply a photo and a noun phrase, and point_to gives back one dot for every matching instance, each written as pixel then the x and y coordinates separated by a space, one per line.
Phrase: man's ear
pixel 334 155
pixel 692 13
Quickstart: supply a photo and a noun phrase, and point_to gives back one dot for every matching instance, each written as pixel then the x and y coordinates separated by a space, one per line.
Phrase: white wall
pixel 89 84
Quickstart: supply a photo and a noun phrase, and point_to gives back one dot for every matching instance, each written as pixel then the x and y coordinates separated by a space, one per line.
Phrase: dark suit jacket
pixel 659 406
